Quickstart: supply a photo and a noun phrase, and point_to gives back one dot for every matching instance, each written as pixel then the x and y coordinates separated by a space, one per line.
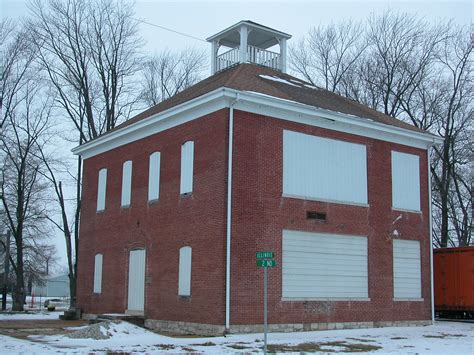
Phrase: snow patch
pixel 277 79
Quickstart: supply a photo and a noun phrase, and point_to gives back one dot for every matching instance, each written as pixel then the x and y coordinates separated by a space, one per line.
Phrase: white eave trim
pixel 256 103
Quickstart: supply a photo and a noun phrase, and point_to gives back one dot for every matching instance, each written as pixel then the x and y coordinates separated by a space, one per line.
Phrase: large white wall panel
pixel 405 181
pixel 101 189
pixel 98 273
pixel 325 169
pixel 154 177
pixel 126 183
pixel 317 265
pixel 187 164
pixel 406 269
pixel 184 282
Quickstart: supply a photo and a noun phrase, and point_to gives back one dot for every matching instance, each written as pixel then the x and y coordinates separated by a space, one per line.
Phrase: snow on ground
pixel 442 338
pixel 41 315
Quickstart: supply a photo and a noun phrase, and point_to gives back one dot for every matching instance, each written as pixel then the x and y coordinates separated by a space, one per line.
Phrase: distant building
pixel 178 200
pixel 54 286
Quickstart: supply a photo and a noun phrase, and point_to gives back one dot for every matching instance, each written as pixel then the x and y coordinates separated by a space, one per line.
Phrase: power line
pixel 169 29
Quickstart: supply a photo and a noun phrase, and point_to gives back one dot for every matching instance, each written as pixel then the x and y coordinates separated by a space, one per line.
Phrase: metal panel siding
pixel 154 177
pixel 406 269
pixel 317 265
pixel 98 273
pixel 187 162
pixel 126 183
pixel 101 189
pixel 405 181
pixel 184 282
pixel 322 168
pixel 136 280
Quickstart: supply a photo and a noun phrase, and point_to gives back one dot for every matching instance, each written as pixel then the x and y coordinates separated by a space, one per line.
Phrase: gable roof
pixel 264 80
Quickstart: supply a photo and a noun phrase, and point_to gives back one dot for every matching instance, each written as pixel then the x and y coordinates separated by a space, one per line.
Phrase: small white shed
pixel 55 286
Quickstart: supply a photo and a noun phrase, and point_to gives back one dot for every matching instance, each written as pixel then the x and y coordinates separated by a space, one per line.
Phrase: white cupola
pixel 247 42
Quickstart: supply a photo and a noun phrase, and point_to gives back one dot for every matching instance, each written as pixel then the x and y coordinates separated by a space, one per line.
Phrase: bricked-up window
pixel 154 177
pixel 126 183
pixel 406 269
pixel 98 273
pixel 184 281
pixel 405 181
pixel 187 163
pixel 101 189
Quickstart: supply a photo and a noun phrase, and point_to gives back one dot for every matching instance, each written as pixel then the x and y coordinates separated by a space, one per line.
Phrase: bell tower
pixel 248 42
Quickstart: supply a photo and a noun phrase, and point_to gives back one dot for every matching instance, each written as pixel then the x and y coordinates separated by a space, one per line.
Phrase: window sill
pixel 326 201
pixel 126 207
pixel 406 210
pixel 154 201
pixel 324 299
pixel 100 211
pixel 408 299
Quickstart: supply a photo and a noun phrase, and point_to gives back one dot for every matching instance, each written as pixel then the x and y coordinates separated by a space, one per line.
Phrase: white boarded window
pixel 320 266
pixel 154 177
pixel 187 163
pixel 101 189
pixel 98 273
pixel 324 169
pixel 184 282
pixel 405 181
pixel 126 183
pixel 406 269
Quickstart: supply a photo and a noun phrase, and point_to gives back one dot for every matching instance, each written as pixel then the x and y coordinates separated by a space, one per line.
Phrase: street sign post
pixel 263 261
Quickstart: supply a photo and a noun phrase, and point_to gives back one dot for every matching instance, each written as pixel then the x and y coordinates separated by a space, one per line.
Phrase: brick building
pixel 177 201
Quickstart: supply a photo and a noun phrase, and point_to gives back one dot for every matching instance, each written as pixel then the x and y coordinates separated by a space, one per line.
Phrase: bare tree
pixel 22 191
pixel 89 50
pixel 452 172
pixel 15 59
pixel 168 73
pixel 416 71
pixel 327 55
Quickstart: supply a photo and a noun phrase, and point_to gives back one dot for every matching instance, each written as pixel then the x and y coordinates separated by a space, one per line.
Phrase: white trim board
pixel 259 104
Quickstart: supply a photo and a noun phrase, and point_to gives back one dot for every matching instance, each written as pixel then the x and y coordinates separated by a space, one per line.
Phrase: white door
pixel 136 281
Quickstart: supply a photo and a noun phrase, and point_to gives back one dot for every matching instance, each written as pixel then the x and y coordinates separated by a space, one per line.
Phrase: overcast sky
pixel 202 19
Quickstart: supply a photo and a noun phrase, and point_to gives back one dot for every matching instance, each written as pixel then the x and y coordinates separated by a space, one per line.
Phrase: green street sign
pixel 266 263
pixel 265 255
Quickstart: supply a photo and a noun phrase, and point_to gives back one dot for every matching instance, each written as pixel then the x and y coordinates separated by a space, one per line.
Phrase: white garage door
pixel 317 265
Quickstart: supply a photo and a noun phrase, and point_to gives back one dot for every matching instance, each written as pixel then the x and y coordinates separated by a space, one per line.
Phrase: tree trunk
pixel 19 289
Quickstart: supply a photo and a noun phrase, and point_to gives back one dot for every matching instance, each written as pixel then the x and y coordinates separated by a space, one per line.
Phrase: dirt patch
pixel 165 346
pixel 23 328
pixel 239 346
pixel 444 335
pixel 323 347
pixel 398 338
pixel 207 343
pixel 363 340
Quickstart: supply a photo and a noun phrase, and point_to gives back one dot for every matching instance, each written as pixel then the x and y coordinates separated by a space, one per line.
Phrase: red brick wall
pixel 161 227
pixel 260 213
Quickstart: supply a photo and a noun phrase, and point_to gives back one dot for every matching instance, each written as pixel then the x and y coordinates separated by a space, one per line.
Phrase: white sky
pixel 202 19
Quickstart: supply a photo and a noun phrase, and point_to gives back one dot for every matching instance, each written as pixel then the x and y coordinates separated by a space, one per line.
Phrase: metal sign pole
pixel 265 310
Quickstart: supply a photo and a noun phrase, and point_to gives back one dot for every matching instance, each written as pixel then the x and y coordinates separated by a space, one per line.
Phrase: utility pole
pixel 6 272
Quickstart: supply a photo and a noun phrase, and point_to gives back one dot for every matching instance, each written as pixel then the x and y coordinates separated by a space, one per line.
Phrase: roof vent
pixel 248 42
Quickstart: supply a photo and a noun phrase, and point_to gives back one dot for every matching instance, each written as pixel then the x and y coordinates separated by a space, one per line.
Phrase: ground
pixel 43 333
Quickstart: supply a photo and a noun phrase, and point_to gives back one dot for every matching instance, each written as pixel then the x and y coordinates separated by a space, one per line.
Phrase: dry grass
pixel 313 347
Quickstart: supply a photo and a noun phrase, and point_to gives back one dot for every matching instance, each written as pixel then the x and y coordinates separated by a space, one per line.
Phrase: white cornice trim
pixel 255 103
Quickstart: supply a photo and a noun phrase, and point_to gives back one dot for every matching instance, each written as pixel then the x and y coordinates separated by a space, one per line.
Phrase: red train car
pixel 454 282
